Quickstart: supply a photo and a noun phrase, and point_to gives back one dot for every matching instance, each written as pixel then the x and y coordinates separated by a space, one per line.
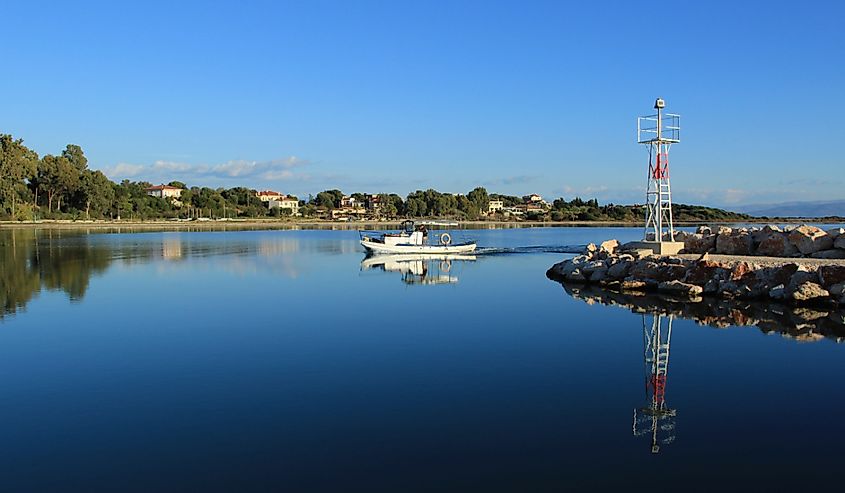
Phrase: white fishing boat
pixel 414 238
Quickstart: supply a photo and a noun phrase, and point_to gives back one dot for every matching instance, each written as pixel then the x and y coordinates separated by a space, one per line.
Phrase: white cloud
pixel 123 170
pixel 171 166
pixel 281 169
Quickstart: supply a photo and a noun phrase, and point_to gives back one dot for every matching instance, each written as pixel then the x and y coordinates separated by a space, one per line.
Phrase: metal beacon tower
pixel 658 132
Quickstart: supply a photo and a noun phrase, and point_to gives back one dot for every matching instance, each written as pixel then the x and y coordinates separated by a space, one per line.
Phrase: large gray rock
pixel 829 254
pixel 772 243
pixel 810 239
pixel 704 230
pixel 734 243
pixel 835 232
pixel 758 234
pixel 568 268
pixel 679 287
pixel 712 286
pixel 593 266
pixel 809 291
pixel 681 236
pixel 800 277
pixel 840 242
pixel 734 289
pixel 700 243
pixel 780 275
pixel 703 271
pixel 619 270
pixel 831 274
pixel 647 270
pixel 595 270
pixel 575 275
pixel 599 276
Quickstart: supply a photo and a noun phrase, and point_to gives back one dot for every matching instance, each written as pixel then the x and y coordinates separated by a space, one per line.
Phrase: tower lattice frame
pixel 658 132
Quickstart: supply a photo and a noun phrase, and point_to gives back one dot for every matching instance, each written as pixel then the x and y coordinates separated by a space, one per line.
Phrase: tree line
pixel 62 186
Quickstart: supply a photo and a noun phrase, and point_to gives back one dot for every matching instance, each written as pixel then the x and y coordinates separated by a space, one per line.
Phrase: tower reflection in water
pixel 418 268
pixel 656 420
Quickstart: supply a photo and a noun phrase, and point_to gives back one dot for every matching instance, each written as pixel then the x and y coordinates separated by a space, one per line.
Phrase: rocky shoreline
pixel 804 272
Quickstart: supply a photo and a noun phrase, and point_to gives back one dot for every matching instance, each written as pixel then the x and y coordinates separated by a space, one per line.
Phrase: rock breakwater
pixel 769 241
pixel 803 281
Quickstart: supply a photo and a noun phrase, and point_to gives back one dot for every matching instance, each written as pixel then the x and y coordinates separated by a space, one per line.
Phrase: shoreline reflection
pixel 34 261
pixel 800 323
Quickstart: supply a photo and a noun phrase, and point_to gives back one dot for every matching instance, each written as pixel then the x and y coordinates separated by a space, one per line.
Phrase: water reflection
pixel 656 419
pixel 801 323
pixel 33 260
pixel 28 265
pixel 418 268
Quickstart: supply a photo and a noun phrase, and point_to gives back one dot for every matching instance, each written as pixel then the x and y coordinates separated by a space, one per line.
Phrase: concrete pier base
pixel 656 247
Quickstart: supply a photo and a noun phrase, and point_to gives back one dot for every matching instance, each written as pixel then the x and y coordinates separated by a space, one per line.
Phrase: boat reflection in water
pixel 418 268
pixel 656 419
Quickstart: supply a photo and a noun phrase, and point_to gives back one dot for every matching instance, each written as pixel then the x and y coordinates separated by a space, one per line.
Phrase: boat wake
pixel 530 249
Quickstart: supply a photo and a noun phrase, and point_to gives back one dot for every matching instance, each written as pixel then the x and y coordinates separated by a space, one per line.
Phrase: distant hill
pixel 820 208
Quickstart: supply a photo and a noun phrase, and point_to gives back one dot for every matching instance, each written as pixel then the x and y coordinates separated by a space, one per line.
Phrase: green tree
pixel 95 190
pixel 17 163
pixel 390 205
pixel 73 153
pixel 480 200
pixel 57 176
pixel 328 199
pixel 122 199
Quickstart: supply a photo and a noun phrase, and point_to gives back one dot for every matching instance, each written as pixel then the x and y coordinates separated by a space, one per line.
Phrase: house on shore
pixel 536 199
pixel 276 200
pixel 350 202
pixel 268 195
pixel 285 202
pixel 494 206
pixel 164 191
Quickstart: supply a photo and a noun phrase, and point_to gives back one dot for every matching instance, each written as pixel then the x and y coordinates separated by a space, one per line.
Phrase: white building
pixel 164 191
pixel 494 206
pixel 285 202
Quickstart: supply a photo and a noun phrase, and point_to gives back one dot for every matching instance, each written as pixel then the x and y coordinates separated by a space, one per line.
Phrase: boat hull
pixel 378 247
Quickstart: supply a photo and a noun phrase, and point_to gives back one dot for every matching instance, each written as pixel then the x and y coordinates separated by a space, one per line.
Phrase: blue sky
pixel 394 96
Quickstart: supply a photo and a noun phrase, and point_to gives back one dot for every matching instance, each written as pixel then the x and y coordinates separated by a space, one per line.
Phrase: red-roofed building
pixel 268 195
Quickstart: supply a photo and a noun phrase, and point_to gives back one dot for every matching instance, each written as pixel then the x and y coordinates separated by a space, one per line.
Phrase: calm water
pixel 278 361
